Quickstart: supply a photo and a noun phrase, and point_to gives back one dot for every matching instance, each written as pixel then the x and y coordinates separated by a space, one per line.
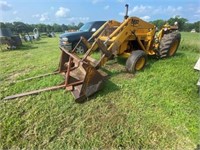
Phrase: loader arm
pixel 113 38
pixel 131 29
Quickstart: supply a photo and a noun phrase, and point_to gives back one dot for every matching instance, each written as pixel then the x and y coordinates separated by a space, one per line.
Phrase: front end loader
pixel 133 39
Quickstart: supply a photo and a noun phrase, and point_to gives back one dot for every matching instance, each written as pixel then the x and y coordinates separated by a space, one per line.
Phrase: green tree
pixel 197 26
pixel 49 28
pixel 57 28
pixel 42 27
pixel 188 27
pixel 181 22
pixel 10 26
pixel 64 27
pixel 2 25
pixel 158 23
pixel 20 27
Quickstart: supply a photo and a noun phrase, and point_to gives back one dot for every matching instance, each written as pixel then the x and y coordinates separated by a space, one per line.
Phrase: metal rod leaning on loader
pixel 39 76
pixel 34 92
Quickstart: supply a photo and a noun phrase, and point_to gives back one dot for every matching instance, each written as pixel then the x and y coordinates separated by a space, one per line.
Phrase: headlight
pixel 65 39
pixel 165 29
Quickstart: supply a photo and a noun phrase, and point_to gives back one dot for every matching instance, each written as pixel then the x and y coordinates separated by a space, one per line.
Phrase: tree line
pixel 183 24
pixel 20 27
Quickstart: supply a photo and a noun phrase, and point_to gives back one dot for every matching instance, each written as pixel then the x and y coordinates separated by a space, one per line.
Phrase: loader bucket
pixel 81 78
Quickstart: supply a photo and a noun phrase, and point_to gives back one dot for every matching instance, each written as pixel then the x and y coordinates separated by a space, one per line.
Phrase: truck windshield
pixel 86 27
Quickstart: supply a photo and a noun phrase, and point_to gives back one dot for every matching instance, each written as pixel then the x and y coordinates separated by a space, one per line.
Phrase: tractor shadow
pixel 179 54
pixel 108 85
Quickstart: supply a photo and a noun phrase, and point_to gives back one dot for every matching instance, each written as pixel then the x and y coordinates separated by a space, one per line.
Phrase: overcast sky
pixel 75 11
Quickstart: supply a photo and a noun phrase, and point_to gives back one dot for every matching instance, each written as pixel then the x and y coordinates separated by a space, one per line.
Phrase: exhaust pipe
pixel 126 14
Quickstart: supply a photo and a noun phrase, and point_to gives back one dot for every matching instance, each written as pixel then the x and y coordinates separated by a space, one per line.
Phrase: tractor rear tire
pixel 169 44
pixel 136 61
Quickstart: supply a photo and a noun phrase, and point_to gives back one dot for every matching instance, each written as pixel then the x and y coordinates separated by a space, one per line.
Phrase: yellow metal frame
pixel 131 29
pixel 113 38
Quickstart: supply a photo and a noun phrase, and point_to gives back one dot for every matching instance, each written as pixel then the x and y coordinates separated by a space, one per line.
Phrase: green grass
pixel 157 108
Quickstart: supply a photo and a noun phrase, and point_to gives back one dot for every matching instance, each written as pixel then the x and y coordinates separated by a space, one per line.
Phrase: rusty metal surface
pixel 81 75
pixel 40 76
pixel 34 92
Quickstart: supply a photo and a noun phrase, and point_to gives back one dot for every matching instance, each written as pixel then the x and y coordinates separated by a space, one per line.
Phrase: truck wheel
pixel 81 49
pixel 169 44
pixel 136 61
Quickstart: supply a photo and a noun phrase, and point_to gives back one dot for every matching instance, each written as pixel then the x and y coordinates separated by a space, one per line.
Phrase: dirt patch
pixel 116 69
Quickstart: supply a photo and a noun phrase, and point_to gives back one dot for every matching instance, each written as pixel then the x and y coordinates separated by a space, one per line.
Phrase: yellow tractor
pixel 133 39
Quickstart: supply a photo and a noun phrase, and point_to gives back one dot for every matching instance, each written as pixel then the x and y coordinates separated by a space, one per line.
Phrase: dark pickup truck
pixel 70 39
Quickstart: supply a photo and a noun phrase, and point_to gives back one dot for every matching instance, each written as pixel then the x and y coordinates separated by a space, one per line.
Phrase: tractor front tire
pixel 136 61
pixel 169 44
